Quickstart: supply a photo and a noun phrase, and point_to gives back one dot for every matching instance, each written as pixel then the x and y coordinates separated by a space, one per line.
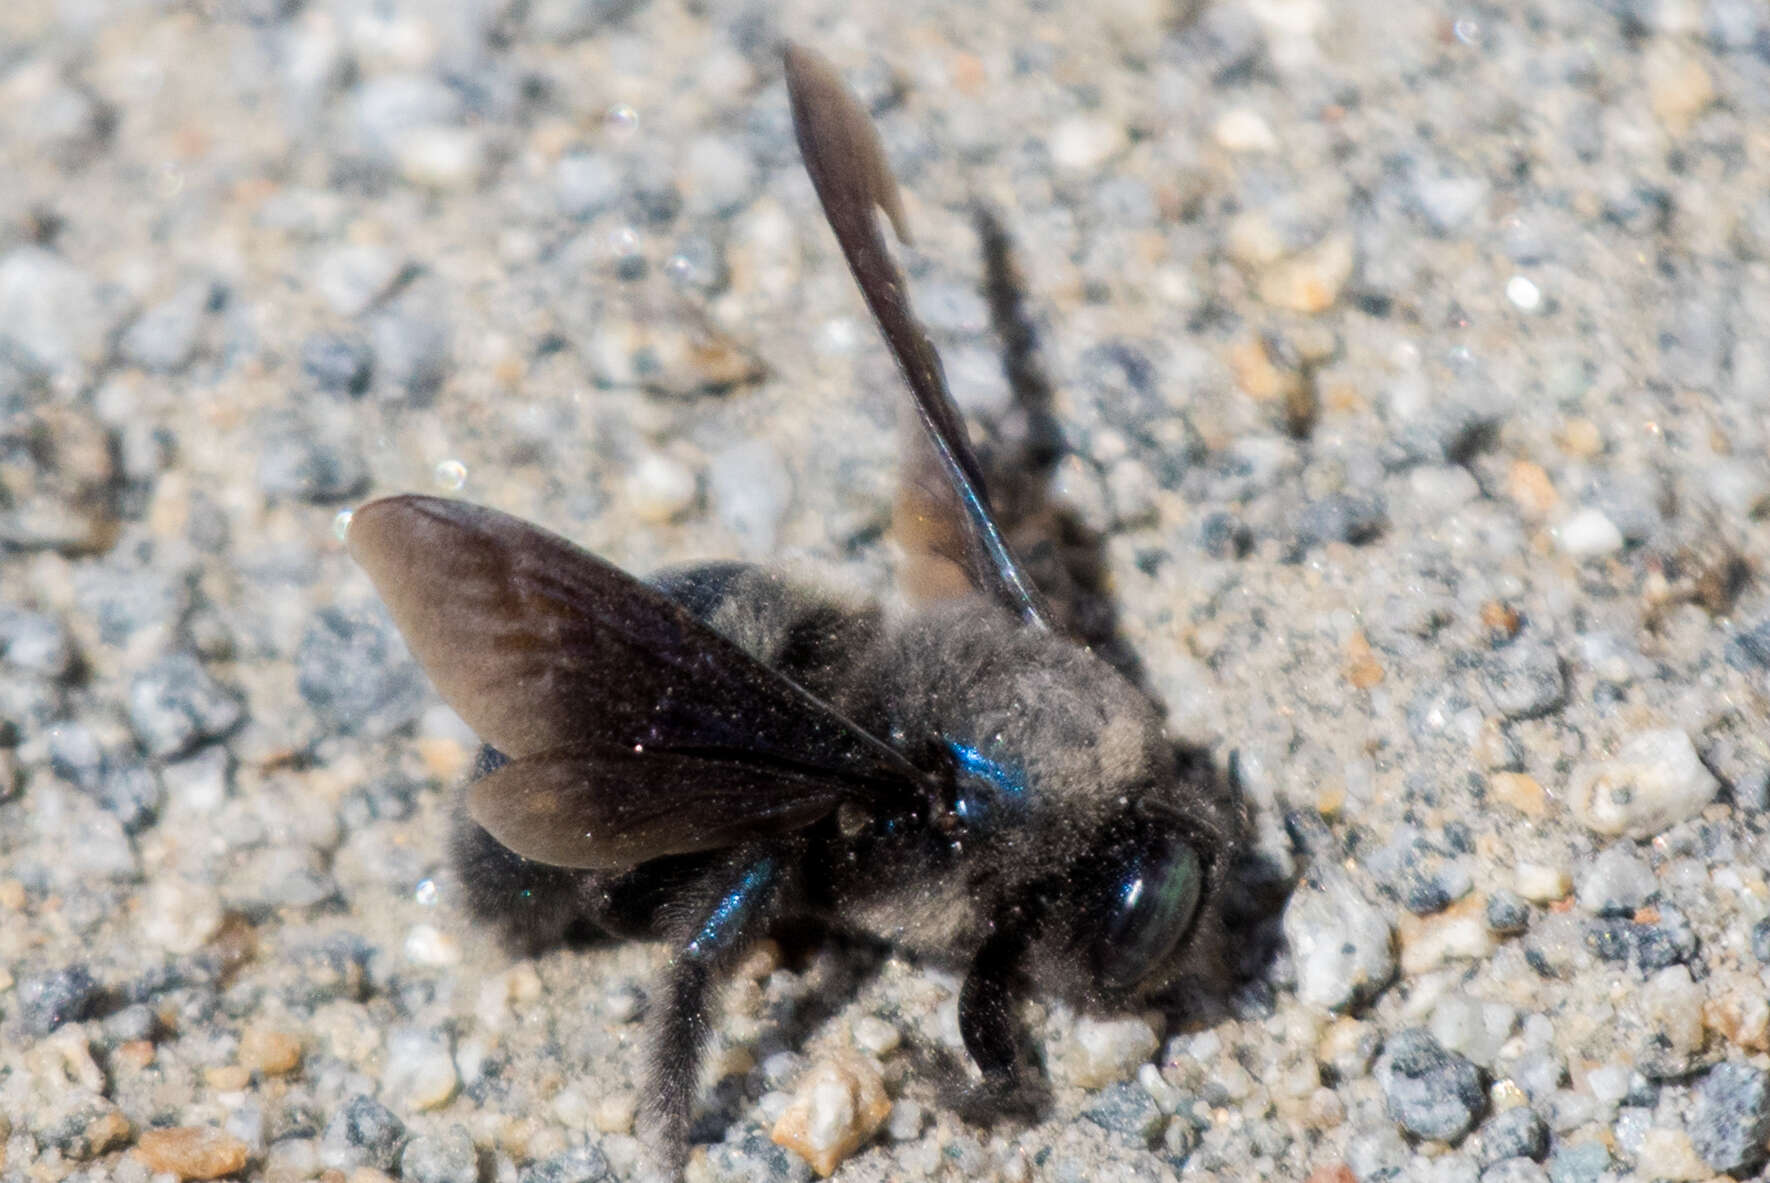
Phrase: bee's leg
pixel 986 1024
pixel 743 899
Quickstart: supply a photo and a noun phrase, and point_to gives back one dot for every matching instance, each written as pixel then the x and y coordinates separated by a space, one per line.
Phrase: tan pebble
pixel 1363 669
pixel 1738 1011
pixel 12 895
pixel 227 1078
pixel 1531 490
pixel 368 1175
pixel 1673 1156
pixel 445 759
pixel 136 1054
pixel 1312 280
pixel 1520 791
pixel 1499 618
pixel 101 1133
pixel 1337 1173
pixel 1581 437
pixel 838 1105
pixel 760 961
pixel 614 1114
pixel 1679 87
pixel 269 1051
pixel 1256 373
pixel 1459 932
pixel 1540 883
pixel 192 1152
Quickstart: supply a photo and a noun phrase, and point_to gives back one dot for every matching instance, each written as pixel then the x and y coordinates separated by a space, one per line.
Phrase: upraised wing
pixel 622 714
pixel 943 510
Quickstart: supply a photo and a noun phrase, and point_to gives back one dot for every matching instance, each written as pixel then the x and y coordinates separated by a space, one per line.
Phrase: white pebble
pixel 839 1105
pixel 1524 294
pixel 420 1071
pixel 1587 533
pixel 1108 1050
pixel 1540 883
pixel 875 1036
pixel 1083 143
pixel 428 945
pixel 1654 781
pixel 1343 945
pixel 660 488
pixel 1244 130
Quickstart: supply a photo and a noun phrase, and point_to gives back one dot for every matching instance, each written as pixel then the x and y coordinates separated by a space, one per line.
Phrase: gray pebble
pixel 1735 24
pixel 364 1133
pixel 1525 680
pixel 164 338
pixel 1342 944
pixel 299 463
pixel 1730 1122
pixel 132 1022
pixel 1514 1170
pixel 129 600
pixel 1761 941
pixel 132 793
pixel 448 1157
pixel 414 348
pixel 1430 1092
pixel 76 755
pixel 34 642
pixel 354 670
pixel 53 315
pixel 586 183
pixel 750 1157
pixel 338 363
pixel 66 996
pixel 750 489
pixel 569 20
pixel 1377 1154
pixel 1507 912
pixel 1341 517
pixel 1617 882
pixel 1583 1163
pixel 1514 1133
pixel 719 176
pixel 1127 1108
pixel 175 706
pixel 580 1164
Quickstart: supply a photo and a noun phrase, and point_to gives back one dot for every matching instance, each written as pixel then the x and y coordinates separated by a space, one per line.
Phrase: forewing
pixel 945 515
pixel 540 645
pixel 607 808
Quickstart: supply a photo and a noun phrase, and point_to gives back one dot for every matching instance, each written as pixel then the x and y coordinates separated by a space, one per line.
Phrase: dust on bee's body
pixel 1050 744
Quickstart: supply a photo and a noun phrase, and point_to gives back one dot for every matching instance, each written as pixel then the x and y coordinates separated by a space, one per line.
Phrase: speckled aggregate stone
pixel 1402 374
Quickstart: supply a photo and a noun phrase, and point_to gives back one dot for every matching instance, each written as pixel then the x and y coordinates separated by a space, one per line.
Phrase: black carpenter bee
pixel 718 753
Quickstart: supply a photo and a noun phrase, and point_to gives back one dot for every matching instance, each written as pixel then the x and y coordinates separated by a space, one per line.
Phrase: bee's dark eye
pixel 1150 907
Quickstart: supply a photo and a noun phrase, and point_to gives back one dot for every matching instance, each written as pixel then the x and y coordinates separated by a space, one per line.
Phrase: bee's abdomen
pixel 814 638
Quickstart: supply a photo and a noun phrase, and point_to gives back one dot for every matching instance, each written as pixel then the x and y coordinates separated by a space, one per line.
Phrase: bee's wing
pixel 606 808
pixel 944 514
pixel 541 646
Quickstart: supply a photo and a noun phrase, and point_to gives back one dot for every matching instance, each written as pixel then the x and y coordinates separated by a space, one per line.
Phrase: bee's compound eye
pixel 1153 899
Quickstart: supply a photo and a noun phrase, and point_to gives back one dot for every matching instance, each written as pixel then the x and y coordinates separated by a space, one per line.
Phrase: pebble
pixel 338 363
pixel 661 488
pixel 363 1132
pixel 578 1164
pixel 1473 1028
pixel 180 916
pixel 1459 933
pixel 350 279
pixel 54 314
pixel 1587 533
pixel 1761 941
pixel 1582 1162
pixel 875 1036
pixel 1310 282
pixel 749 488
pixel 448 1157
pixel 299 463
pixel 1670 1004
pixel 1541 883
pixel 1514 1133
pixel 749 1155
pixel 175 706
pixel 1343 945
pixel 1082 143
pixel 192 1152
pixel 35 643
pixel 1127 1108
pixel 1729 1124
pixel 65 996
pixel 586 184
pixel 1506 912
pixel 1672 1156
pixel 1514 1170
pixel 1617 882
pixel 1103 1051
pixel 414 347
pixel 441 156
pixel 837 1107
pixel 419 1073
pixel 354 671
pixel 718 177
pixel 269 1051
pixel 1430 1092
pixel 164 338
pixel 1654 781
pixel 1525 680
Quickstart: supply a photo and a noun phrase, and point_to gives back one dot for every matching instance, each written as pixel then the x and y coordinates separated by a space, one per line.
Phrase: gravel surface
pixel 1408 369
